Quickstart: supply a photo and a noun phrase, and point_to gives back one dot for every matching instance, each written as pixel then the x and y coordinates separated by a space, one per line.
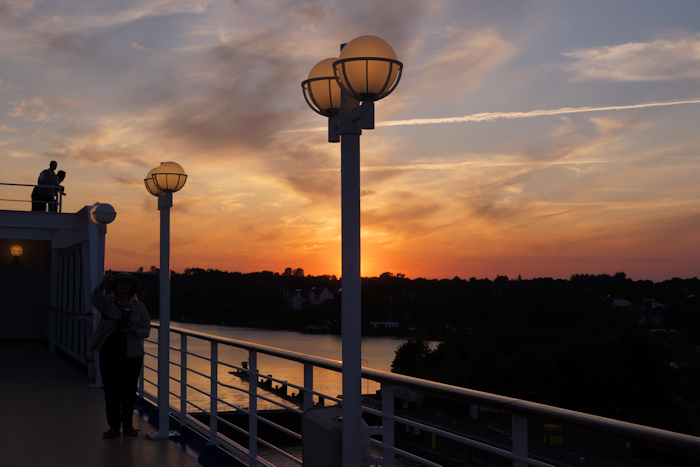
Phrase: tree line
pixel 566 344
pixel 560 342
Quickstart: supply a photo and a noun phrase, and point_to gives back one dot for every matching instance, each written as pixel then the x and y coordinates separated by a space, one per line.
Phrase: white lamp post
pixel 367 70
pixel 162 182
pixel 100 215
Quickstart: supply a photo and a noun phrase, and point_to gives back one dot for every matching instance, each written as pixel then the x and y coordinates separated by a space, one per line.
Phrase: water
pixel 377 353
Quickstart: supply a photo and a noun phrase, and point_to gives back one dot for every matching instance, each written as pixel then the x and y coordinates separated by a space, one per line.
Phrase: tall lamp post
pixel 100 215
pixel 162 182
pixel 344 90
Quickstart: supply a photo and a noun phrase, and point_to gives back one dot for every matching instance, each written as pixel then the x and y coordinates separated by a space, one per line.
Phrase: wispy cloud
pixel 658 60
pixel 33 111
pixel 490 116
pixel 472 164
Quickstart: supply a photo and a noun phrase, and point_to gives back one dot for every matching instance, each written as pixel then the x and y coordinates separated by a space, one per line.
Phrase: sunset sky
pixel 533 138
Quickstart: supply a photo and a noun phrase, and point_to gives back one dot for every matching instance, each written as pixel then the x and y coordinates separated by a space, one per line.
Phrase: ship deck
pixel 50 417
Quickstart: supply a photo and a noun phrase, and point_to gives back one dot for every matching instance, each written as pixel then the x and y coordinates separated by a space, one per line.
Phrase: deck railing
pixel 461 427
pixel 21 194
pixel 68 332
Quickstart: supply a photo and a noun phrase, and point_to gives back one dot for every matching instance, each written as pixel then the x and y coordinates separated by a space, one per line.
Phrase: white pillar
pixel 96 268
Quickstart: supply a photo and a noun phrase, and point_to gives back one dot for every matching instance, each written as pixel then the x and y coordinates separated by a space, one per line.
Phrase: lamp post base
pixel 155 435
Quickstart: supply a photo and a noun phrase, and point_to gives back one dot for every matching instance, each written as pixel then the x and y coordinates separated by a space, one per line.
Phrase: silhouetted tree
pixel 410 357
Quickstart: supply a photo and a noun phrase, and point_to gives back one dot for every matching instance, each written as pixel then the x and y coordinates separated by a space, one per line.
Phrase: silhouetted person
pixel 58 191
pixel 43 193
pixel 119 336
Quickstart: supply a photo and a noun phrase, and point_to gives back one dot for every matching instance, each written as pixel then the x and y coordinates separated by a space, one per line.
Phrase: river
pixel 377 353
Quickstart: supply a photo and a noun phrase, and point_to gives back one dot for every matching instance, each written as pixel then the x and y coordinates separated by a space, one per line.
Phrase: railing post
pixel 141 378
pixel 253 408
pixel 308 386
pixel 53 330
pixel 520 447
pixel 387 424
pixel 183 380
pixel 214 398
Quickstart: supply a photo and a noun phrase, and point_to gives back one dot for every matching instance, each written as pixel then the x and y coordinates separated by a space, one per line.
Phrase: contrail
pixel 490 116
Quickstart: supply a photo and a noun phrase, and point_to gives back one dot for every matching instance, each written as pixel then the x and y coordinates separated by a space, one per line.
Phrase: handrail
pixel 68 331
pixel 325 363
pixel 58 201
pixel 660 438
pixel 520 410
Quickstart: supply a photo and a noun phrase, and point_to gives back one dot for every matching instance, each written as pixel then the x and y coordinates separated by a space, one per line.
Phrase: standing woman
pixel 119 337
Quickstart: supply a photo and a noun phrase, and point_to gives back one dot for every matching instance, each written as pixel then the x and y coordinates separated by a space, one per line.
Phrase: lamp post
pixel 100 215
pixel 344 90
pixel 162 182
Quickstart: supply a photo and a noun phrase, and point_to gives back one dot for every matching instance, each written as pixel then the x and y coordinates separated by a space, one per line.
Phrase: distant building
pixel 651 304
pixel 316 299
pixel 650 319
pixel 384 324
pixel 298 298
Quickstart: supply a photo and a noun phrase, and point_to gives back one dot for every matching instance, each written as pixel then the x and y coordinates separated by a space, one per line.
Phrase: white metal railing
pixel 27 198
pixel 429 437
pixel 68 332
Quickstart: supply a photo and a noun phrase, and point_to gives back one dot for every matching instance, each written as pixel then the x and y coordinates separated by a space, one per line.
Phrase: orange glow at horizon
pixel 511 146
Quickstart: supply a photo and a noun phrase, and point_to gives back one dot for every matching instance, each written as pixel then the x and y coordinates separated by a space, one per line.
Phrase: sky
pixel 531 138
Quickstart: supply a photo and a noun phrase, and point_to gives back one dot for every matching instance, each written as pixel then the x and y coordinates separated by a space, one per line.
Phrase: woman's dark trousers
pixel 120 376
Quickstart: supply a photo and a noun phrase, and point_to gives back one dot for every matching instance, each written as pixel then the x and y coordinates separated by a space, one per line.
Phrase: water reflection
pixel 377 352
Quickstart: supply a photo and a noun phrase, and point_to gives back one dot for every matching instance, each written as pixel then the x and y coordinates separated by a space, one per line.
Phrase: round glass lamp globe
pixel 102 214
pixel 169 177
pixel 322 87
pixel 150 183
pixel 368 68
pixel 16 251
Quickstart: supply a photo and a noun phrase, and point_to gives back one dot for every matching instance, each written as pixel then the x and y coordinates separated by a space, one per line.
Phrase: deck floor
pixel 50 417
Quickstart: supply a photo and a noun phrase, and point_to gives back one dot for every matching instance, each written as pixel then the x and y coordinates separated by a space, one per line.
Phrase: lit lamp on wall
pixel 344 90
pixel 16 251
pixel 162 182
pixel 102 214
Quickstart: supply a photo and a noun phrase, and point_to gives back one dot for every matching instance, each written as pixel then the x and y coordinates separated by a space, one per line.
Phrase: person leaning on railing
pixel 119 337
pixel 43 193
pixel 58 191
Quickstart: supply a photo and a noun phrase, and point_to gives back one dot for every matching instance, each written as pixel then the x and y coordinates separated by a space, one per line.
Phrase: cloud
pixel 34 110
pixel 92 16
pixel 457 60
pixel 138 46
pixel 664 59
pixel 490 116
pixel 402 214
pixel 13 8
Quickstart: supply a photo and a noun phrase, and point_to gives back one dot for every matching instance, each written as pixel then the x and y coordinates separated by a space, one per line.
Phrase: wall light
pixel 102 214
pixel 16 251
